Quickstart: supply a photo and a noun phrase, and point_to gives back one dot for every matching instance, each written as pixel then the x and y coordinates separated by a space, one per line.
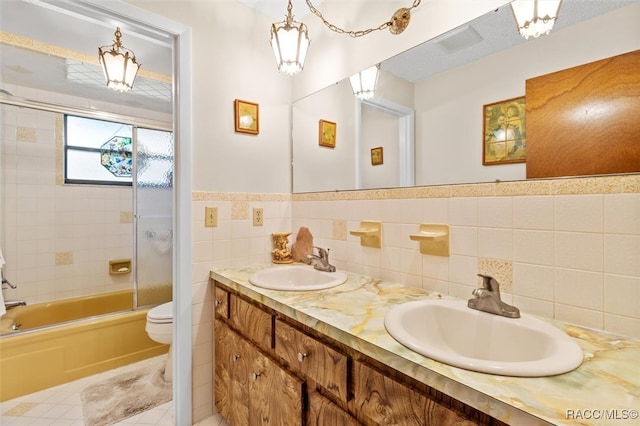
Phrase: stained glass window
pixel 97 151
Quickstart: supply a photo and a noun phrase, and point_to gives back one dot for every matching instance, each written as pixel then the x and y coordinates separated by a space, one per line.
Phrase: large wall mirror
pixel 446 82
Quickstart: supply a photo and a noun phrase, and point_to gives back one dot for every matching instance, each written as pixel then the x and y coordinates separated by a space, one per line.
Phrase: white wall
pixel 379 129
pixel 320 168
pixel 232 59
pixel 449 105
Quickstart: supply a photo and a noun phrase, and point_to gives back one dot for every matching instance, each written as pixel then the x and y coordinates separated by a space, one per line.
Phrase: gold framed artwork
pixel 504 132
pixel 327 133
pixel 247 117
pixel 376 156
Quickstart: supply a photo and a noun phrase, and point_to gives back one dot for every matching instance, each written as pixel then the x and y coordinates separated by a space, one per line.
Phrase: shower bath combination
pixel 79 320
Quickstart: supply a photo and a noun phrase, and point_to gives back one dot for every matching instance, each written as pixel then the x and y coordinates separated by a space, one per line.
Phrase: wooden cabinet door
pixel 380 400
pixel 312 358
pixel 275 396
pixel 222 369
pixel 221 302
pixel 232 361
pixel 323 412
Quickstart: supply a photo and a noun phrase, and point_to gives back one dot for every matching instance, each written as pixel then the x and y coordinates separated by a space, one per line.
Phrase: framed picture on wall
pixel 376 156
pixel 247 119
pixel 327 133
pixel 504 132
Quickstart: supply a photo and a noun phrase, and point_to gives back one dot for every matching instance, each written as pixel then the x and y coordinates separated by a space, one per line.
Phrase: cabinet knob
pixel 218 302
pixel 255 376
pixel 234 358
pixel 301 356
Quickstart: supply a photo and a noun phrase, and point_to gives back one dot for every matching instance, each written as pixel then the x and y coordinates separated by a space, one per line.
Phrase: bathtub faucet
pixel 6 281
pixel 8 304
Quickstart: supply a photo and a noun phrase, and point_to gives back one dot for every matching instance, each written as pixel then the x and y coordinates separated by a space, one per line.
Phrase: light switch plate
pixel 210 217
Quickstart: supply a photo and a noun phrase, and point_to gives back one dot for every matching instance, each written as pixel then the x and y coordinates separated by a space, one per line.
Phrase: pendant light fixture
pixel 535 17
pixel 118 64
pixel 364 82
pixel 290 41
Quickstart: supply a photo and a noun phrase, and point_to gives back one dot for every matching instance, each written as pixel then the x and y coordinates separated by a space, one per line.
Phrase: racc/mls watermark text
pixel 601 414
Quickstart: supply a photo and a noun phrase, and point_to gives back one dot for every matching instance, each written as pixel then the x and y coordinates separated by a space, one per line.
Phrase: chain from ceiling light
pixel 398 23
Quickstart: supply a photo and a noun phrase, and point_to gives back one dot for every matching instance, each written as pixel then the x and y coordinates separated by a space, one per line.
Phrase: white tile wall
pixel 575 257
pixel 42 218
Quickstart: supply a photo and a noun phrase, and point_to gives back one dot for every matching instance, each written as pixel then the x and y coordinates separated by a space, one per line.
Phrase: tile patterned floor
pixel 61 406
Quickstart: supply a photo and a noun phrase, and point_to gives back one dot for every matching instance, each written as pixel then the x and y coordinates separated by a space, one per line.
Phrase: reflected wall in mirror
pixel 446 81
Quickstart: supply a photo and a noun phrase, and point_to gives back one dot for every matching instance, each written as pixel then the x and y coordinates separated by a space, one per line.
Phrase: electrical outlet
pixel 258 216
pixel 210 217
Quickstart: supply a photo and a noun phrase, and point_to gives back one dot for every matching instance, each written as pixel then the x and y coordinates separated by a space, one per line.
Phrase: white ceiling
pixel 498 31
pixel 277 9
pixel 74 30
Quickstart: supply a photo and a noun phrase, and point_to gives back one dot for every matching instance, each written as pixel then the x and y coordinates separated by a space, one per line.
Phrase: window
pixel 98 152
pixel 101 152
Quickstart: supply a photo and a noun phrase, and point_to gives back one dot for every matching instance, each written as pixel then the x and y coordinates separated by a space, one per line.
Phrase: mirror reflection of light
pixel 246 121
pixel 364 82
pixel 503 134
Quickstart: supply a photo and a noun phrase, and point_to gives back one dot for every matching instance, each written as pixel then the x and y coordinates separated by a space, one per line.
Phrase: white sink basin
pixel 296 278
pixel 450 332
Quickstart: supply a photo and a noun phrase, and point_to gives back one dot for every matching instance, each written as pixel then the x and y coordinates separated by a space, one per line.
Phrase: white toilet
pixel 160 329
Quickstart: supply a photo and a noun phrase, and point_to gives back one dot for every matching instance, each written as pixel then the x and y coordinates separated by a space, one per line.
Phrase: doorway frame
pixel 182 130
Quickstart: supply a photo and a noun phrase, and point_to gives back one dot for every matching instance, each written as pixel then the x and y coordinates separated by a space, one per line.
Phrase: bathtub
pixel 38 355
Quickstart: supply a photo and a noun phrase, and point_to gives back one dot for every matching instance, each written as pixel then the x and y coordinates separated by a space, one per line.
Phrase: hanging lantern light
pixel 290 41
pixel 535 17
pixel 364 82
pixel 118 64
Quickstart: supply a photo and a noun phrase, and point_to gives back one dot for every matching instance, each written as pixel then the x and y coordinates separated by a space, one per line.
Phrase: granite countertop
pixel 605 389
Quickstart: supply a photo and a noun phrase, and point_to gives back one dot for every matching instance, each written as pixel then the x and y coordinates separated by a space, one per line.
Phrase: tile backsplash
pixel 567 249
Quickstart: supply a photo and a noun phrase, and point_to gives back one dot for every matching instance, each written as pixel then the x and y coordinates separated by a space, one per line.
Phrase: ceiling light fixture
pixel 119 65
pixel 535 17
pixel 290 41
pixel 364 82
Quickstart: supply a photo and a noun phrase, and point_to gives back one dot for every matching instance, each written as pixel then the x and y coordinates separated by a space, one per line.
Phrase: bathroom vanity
pixel 324 357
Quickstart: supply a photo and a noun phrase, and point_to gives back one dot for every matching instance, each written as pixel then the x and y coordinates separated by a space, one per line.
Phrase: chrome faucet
pixel 8 304
pixel 321 261
pixel 488 299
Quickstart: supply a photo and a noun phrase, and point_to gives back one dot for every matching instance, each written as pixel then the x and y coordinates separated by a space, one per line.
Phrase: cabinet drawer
pixel 221 302
pixel 252 322
pixel 380 400
pixel 322 364
pixel 323 412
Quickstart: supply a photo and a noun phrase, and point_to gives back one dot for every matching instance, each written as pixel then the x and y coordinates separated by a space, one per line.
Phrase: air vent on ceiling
pixel 459 39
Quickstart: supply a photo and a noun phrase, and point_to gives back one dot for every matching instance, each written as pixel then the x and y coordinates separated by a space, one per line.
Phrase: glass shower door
pixel 153 207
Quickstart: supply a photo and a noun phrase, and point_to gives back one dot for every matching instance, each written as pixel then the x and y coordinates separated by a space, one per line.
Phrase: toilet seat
pixel 161 314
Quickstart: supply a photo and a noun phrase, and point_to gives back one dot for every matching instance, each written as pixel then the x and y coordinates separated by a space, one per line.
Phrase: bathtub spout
pixel 8 304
